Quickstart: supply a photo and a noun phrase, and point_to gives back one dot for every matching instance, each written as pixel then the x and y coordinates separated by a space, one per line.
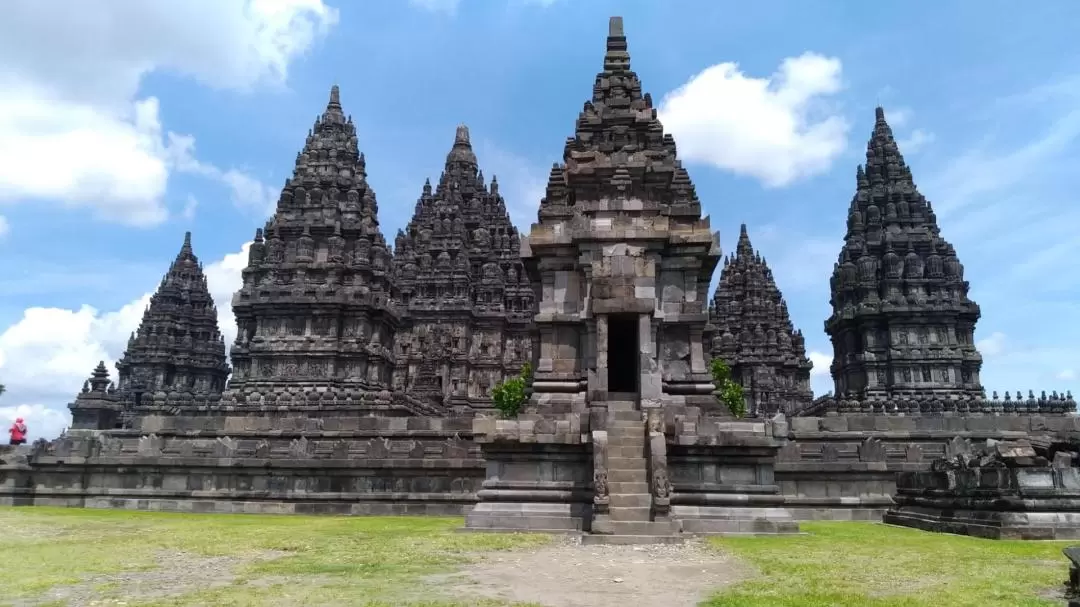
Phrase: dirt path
pixel 568 574
pixel 174 573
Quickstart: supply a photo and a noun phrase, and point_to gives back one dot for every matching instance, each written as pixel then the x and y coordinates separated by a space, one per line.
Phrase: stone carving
pixel 773 368
pixel 600 482
pixel 227 446
pixel 300 448
pixel 913 453
pixel 459 299
pixel 151 445
pixel 871 450
pixel 262 449
pixel 885 256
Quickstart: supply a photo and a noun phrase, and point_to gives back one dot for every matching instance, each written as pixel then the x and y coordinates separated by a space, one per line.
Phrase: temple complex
pixel 754 335
pixel 467 304
pixel 902 324
pixel 362 378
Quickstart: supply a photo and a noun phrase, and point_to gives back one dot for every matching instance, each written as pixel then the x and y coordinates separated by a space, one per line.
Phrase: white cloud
pixel 47 354
pixel 993 345
pixel 1067 375
pixel 521 182
pixel 72 127
pixel 449 7
pixel 915 140
pixel 777 129
pixel 247 192
pixel 188 212
pixel 821 362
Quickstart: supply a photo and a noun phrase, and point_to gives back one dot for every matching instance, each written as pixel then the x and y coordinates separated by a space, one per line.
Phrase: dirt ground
pixel 569 574
pixel 172 574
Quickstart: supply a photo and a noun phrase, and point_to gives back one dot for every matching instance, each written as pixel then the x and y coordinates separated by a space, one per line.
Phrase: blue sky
pixel 117 139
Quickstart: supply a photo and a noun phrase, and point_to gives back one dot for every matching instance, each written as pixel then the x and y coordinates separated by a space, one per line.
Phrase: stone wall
pixel 846 467
pixel 334 466
pixel 827 468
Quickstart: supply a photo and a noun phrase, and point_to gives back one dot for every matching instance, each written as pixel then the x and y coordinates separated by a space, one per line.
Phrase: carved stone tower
pixel 902 324
pixel 621 258
pixel 316 314
pixel 467 302
pixel 178 348
pixel 755 335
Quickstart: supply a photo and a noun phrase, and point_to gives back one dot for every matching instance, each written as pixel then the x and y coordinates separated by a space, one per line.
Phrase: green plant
pixel 509 395
pixel 728 391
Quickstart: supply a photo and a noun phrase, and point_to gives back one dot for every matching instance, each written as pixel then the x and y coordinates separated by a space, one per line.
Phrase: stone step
pixel 629 500
pixel 627 487
pixel 626 424
pixel 622 451
pixel 621 405
pixel 629 514
pixel 643 528
pixel 627 476
pixel 624 416
pixel 626 440
pixel 628 540
pixel 625 462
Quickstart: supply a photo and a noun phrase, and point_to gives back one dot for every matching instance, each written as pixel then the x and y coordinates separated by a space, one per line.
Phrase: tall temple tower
pixel 178 347
pixel 316 314
pixel 902 324
pixel 176 357
pixel 621 258
pixel 755 336
pixel 467 302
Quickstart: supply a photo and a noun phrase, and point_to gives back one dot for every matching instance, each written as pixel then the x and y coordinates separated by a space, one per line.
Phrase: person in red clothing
pixel 18 432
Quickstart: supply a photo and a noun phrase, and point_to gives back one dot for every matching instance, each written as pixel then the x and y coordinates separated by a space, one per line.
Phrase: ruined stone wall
pixel 845 467
pixel 327 466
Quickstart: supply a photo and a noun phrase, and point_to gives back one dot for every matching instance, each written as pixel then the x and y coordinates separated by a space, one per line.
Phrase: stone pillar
pixel 650 388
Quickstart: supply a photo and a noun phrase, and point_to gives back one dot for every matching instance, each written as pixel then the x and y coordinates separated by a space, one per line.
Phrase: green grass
pixel 873 565
pixel 386 561
pixel 376 561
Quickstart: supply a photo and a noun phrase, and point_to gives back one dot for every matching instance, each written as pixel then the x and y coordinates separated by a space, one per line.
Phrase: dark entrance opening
pixel 624 365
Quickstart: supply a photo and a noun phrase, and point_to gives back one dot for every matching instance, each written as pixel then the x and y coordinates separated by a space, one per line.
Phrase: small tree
pixel 509 395
pixel 729 392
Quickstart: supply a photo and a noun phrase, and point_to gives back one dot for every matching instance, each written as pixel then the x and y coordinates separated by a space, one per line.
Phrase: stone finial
pixel 461 136
pixel 879 114
pixel 335 98
pixel 617 58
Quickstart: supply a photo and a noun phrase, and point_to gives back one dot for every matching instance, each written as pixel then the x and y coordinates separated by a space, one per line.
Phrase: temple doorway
pixel 624 366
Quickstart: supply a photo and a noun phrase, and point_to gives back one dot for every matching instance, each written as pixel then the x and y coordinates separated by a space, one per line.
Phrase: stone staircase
pixel 629 518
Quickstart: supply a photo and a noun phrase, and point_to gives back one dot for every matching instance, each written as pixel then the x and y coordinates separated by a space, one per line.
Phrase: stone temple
pixel 753 333
pixel 361 377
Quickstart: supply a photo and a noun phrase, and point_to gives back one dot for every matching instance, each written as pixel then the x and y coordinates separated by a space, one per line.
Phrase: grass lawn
pixel 61 556
pixel 874 565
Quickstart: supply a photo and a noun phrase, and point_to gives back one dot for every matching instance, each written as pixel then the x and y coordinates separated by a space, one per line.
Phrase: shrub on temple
pixel 509 396
pixel 728 391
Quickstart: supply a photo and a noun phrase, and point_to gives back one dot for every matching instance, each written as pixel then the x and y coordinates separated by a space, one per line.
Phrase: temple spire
pixel 462 151
pixel 753 333
pixel 744 248
pixel 617 58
